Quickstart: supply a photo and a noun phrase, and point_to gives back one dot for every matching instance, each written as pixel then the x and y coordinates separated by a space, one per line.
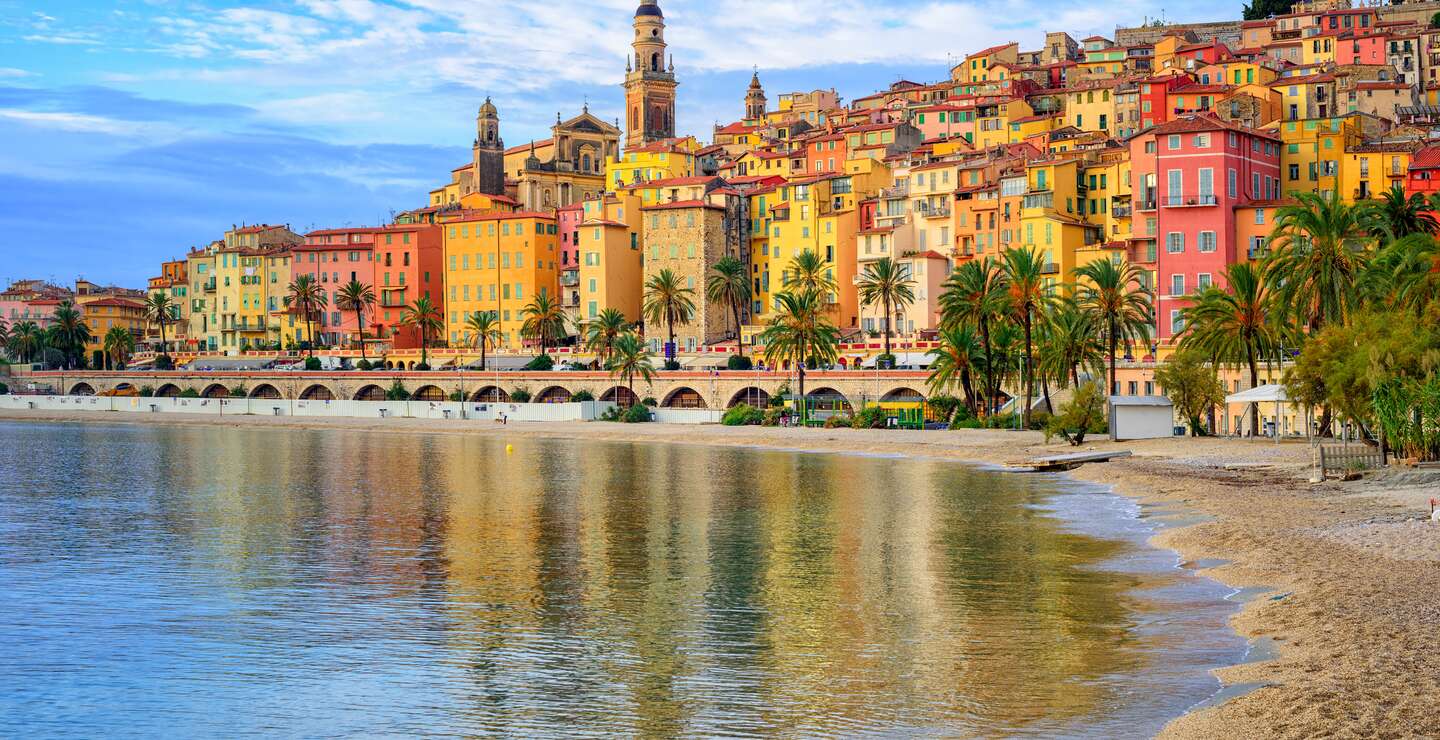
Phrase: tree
pixel 307 296
pixel 356 296
pixel 544 321
pixel 1236 325
pixel 667 301
pixel 1319 252
pixel 119 345
pixel 800 333
pixel 1075 419
pixel 885 282
pixel 975 295
pixel 160 311
pixel 1113 294
pixel 1404 275
pixel 4 337
pixel 1192 385
pixel 808 272
pixel 954 361
pixel 425 317
pixel 1259 10
pixel 69 333
pixel 729 285
pixel 27 341
pixel 1395 215
pixel 483 330
pixel 1030 299
pixel 1070 342
pixel 603 331
pixel 629 360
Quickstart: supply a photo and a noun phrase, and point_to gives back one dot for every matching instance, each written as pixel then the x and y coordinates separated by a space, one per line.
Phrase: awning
pixel 904 359
pixel 1261 394
pixel 705 362
pixel 226 364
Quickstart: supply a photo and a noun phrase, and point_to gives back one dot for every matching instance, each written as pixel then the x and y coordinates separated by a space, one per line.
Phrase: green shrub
pixel 541 363
pixel 189 393
pixel 739 362
pixel 610 414
pixel 4 389
pixel 520 395
pixel 1039 420
pixel 1000 421
pixel 838 421
pixel 582 396
pixel 457 396
pixel 873 417
pixel 671 365
pixel 945 407
pixel 147 391
pixel 636 415
pixel 772 417
pixel 970 423
pixel 163 362
pixel 363 365
pixel 743 415
pixel 1079 417
pixel 239 391
pixel 423 367
pixel 649 401
pixel 397 392
pixel 312 364
pixel 885 362
pixel 778 397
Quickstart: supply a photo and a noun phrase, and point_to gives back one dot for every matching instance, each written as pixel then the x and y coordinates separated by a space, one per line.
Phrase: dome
pixel 488 109
pixel 649 8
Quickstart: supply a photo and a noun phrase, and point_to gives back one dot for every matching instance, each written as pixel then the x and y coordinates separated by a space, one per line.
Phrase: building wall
pixel 498 264
pixel 688 241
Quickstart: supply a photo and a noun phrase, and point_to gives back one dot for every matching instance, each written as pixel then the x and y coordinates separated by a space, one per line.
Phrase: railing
pixel 1120 211
pixel 1146 205
pixel 1183 201
pixel 1050 268
pixel 933 211
pixel 898 190
pixel 569 280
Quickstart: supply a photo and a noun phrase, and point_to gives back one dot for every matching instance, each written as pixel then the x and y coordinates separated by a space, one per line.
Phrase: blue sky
pixel 137 129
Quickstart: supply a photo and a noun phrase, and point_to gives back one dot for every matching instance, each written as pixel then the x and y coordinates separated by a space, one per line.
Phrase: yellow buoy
pixel 509 449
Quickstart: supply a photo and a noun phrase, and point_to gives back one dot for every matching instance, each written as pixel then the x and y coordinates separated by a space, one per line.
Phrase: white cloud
pixel 74 122
pixel 62 39
pixel 11 73
pixel 341 107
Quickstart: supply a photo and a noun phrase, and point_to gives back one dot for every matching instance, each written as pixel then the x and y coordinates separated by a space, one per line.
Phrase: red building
pixel 334 258
pixel 1360 49
pixel 1424 174
pixel 409 263
pixel 1189 176
pixel 1155 98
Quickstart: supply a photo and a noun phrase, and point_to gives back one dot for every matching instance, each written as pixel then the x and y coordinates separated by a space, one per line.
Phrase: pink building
pixel 31 300
pixel 1190 174
pixel 334 258
pixel 1369 49
pixel 946 121
pixel 567 222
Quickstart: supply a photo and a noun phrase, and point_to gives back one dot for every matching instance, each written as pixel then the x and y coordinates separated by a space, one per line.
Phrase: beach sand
pixel 1349 571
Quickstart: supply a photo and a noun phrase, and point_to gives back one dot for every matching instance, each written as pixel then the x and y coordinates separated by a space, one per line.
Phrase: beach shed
pixel 1141 417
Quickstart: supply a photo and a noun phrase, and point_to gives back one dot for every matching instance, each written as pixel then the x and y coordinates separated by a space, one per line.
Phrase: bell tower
pixel 755 100
pixel 489 151
pixel 649 81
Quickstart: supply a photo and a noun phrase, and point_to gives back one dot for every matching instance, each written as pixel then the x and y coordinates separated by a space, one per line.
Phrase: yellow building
pixel 660 160
pixel 993 117
pixel 976 67
pixel 804 217
pixel 1366 170
pixel 498 263
pixel 242 291
pixel 1106 201
pixel 610 246
pixel 1092 108
pixel 1050 216
pixel 1313 150
pixel 106 312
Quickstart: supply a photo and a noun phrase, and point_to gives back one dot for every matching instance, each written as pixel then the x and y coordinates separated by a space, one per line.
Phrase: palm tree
pixel 1319 252
pixel 308 297
pixel 356 296
pixel 69 333
pixel 1030 299
pixel 602 332
pixel 976 295
pixel 544 321
pixel 1404 274
pixel 885 282
pixel 1071 342
pixel 160 311
pixel 1113 294
pixel 1237 324
pixel 729 286
pixel 667 301
pixel 800 333
pixel 119 345
pixel 27 340
pixel 483 330
pixel 1395 215
pixel 628 359
pixel 808 272
pixel 955 360
pixel 424 316
pixel 4 336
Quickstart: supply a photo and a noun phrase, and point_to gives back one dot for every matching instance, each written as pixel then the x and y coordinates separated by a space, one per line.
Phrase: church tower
pixel 489 152
pixel 649 81
pixel 755 100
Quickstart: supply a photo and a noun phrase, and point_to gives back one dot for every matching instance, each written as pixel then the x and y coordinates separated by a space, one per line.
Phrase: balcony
pixel 1120 211
pixel 898 190
pixel 1038 200
pixel 210 285
pixel 393 298
pixel 1190 201
pixel 1147 204
pixel 1050 268
pixel 569 279
pixel 932 210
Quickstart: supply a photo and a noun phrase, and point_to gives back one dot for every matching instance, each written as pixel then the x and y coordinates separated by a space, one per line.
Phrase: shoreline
pixel 1344 623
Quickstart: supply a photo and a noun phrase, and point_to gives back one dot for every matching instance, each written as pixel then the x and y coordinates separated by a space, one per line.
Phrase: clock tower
pixel 649 81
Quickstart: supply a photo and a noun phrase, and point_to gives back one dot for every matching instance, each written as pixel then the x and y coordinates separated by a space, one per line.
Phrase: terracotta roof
pixel 992 50
pixel 109 303
pixel 526 146
pixel 1202 122
pixel 1426 159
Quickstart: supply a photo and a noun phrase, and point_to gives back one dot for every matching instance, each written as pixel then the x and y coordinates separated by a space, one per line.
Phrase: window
pixel 1174 142
pixel 1177 322
pixel 1177 284
pixel 1202 281
pixel 1232 183
pixel 1207 241
pixel 1259 215
pixel 1174 242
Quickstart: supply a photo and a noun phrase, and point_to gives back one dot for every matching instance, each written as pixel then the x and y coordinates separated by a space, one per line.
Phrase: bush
pixel 873 417
pixel 423 367
pixel 239 391
pixel 189 393
pixel 636 415
pixel 743 415
pixel 163 362
pixel 147 391
pixel 671 365
pixel 520 395
pixel 838 421
pixel 610 414
pixel 4 389
pixel 312 364
pixel 739 362
pixel 945 407
pixel 1039 420
pixel 541 363
pixel 1078 417
pixel 363 365
pixel 1000 421
pixel 397 392
pixel 649 401
pixel 582 396
pixel 970 423
pixel 772 417
pixel 885 362
pixel 778 397
pixel 457 396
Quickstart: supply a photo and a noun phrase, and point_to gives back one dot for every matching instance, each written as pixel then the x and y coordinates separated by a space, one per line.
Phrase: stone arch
pixel 81 389
pixel 318 392
pixel 553 394
pixel 903 395
pixel 828 398
pixel 621 396
pixel 266 391
pixel 215 390
pixel 684 398
pixel 371 393
pixel 429 393
pixel 756 397
pixel 169 390
pixel 491 394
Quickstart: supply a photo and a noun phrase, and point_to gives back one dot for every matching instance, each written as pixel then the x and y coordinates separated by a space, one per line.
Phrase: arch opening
pixel 684 398
pixel 620 396
pixel 429 393
pixel 755 397
pixel 553 394
pixel 317 393
pixel 371 393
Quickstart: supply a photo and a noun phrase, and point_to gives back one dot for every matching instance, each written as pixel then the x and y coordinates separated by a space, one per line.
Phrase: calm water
pixel 212 582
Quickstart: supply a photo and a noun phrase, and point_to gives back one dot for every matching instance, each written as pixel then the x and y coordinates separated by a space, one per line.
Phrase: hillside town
pixel 1171 153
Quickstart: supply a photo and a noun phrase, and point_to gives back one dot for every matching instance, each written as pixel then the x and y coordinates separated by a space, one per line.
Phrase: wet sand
pixel 1347 572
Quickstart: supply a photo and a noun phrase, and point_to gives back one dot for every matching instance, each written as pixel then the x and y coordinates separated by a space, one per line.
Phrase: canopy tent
pixel 1260 394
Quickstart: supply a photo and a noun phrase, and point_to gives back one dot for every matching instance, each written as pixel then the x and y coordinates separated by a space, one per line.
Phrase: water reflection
pixel 214 581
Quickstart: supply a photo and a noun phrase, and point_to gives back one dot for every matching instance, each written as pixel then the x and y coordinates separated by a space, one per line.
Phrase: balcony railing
pixel 1050 268
pixel 1146 204
pixel 569 279
pixel 1184 201
pixel 1121 211
pixel 210 285
pixel 898 190
pixel 931 210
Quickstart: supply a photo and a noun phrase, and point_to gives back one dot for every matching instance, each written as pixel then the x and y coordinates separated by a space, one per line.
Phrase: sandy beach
pixel 1347 571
